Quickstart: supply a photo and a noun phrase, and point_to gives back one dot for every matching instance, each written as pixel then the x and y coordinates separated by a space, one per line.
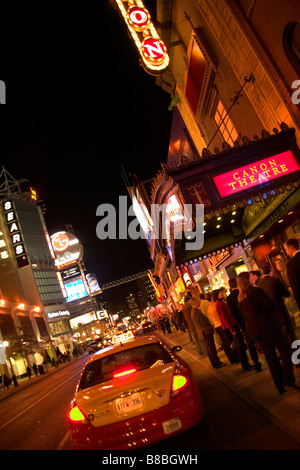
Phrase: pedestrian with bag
pixel 205 328
pixel 233 303
pixel 191 328
pixel 277 291
pixel 258 311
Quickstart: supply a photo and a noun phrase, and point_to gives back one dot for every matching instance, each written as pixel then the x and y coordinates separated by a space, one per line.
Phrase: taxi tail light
pixel 179 383
pixel 75 415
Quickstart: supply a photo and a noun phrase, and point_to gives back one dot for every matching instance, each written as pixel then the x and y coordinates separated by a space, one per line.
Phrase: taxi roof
pixel 118 347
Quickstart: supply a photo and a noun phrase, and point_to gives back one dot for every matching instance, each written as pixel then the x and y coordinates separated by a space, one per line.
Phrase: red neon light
pixel 125 372
pixel 139 18
pixel 154 48
pixel 256 173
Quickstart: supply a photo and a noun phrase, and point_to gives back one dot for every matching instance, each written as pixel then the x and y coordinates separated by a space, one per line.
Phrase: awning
pixel 214 245
pixel 262 218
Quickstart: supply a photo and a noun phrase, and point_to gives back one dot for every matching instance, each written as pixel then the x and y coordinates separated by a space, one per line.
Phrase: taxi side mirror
pixel 176 348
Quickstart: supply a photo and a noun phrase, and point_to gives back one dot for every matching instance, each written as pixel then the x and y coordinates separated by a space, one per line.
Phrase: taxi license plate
pixel 131 403
pixel 172 425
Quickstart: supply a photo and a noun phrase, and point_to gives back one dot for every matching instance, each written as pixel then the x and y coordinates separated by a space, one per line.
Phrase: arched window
pixel 291 44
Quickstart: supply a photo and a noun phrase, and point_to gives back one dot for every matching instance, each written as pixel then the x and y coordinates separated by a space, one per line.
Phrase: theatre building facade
pixel 234 143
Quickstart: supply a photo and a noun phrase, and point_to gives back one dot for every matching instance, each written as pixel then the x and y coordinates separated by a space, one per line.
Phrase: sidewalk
pixel 26 382
pixel 257 388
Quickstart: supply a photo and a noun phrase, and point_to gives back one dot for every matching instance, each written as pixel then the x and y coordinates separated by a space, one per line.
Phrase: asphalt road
pixel 35 418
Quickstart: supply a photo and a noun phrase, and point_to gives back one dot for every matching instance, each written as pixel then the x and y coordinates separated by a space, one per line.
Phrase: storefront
pixel 58 318
pixel 24 337
pixel 248 192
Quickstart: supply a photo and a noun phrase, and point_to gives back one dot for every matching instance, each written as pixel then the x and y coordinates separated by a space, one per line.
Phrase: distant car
pixel 94 346
pixel 148 326
pixel 133 394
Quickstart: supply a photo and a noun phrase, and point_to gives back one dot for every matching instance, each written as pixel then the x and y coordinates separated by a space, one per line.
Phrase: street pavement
pixel 257 388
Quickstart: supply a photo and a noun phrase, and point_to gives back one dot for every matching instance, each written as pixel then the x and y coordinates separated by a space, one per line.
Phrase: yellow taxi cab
pixel 132 394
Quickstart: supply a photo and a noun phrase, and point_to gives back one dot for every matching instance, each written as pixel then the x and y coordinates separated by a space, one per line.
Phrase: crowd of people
pixel 254 317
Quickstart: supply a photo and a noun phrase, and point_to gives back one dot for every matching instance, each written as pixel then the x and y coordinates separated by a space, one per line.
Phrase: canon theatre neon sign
pixel 151 48
pixel 256 174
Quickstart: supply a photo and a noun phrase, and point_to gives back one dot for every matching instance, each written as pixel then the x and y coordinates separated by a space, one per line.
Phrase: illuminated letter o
pixel 138 18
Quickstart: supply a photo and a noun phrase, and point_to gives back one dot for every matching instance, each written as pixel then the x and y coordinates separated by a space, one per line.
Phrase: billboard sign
pixel 75 290
pixel 67 249
pixel 92 283
pixel 14 231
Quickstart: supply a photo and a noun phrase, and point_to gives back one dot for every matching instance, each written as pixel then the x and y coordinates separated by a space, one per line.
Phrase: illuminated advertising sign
pixel 84 319
pixel 67 249
pixel 71 272
pixel 174 213
pixel 255 174
pixel 152 49
pixel 142 214
pixel 195 271
pixel 92 282
pixel 59 315
pixel 14 231
pixel 75 290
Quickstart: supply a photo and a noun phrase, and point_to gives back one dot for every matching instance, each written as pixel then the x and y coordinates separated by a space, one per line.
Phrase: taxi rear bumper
pixel 183 411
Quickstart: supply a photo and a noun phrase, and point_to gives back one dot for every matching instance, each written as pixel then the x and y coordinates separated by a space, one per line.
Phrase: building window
pixel 224 123
pixel 291 44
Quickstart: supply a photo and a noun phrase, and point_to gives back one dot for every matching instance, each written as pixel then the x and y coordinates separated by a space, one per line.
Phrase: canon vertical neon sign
pixel 152 49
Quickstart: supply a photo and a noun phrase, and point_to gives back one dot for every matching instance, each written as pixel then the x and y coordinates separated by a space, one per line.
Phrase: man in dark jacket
pixel 232 301
pixel 257 309
pixel 293 267
pixel 277 291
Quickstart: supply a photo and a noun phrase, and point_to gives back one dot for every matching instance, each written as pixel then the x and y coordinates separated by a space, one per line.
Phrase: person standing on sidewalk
pixel 233 303
pixel 35 369
pixel 28 370
pixel 191 328
pixel 227 330
pixel 277 291
pixel 258 311
pixel 205 299
pixel 205 328
pixel 6 381
pixel 215 320
pixel 293 267
pixel 186 312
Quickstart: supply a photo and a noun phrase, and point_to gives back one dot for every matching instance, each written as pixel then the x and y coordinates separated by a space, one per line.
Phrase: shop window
pixel 291 45
pixel 224 123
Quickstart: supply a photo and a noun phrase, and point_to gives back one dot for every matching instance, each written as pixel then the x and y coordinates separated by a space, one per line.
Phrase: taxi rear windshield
pixel 139 358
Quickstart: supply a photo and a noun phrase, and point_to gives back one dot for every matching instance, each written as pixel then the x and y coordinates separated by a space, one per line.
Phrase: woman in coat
pixel 258 311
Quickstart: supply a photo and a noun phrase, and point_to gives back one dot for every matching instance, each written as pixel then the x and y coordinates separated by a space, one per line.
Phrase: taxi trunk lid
pixel 128 395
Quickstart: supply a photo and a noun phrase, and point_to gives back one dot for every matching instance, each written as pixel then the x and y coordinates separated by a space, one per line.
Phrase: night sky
pixel 79 106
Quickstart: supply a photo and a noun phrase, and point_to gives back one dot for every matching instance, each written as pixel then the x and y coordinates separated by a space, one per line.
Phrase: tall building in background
pixel 147 291
pixel 47 302
pixel 29 281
